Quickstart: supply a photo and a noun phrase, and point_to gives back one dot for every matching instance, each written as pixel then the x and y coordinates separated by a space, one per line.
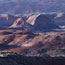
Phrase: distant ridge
pixel 42 22
pixel 20 23
pixel 7 20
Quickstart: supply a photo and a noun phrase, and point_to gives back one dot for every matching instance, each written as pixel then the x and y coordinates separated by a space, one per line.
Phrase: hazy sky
pixel 32 5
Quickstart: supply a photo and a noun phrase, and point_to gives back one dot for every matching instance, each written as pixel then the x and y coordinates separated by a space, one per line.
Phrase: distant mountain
pixel 7 20
pixel 30 6
pixel 20 23
pixel 42 22
pixel 32 22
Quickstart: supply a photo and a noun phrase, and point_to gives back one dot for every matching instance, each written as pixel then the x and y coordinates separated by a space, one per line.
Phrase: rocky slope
pixel 20 23
pixel 7 20
pixel 27 43
pixel 32 22
pixel 42 22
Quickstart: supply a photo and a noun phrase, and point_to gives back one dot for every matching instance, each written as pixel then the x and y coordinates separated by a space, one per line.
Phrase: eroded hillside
pixel 27 43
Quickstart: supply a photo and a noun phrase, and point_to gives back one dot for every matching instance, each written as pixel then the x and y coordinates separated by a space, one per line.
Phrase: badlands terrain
pixel 33 39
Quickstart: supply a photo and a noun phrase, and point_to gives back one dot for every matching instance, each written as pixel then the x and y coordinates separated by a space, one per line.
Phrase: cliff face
pixel 42 22
pixel 31 22
pixel 20 23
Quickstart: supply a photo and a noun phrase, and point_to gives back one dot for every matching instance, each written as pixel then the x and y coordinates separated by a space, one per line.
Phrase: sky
pixel 27 5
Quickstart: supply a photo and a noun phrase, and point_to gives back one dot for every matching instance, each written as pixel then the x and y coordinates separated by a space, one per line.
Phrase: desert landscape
pixel 32 32
pixel 33 36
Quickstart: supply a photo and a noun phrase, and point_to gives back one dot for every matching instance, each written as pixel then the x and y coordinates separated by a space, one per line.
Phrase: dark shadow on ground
pixel 5 47
pixel 32 60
